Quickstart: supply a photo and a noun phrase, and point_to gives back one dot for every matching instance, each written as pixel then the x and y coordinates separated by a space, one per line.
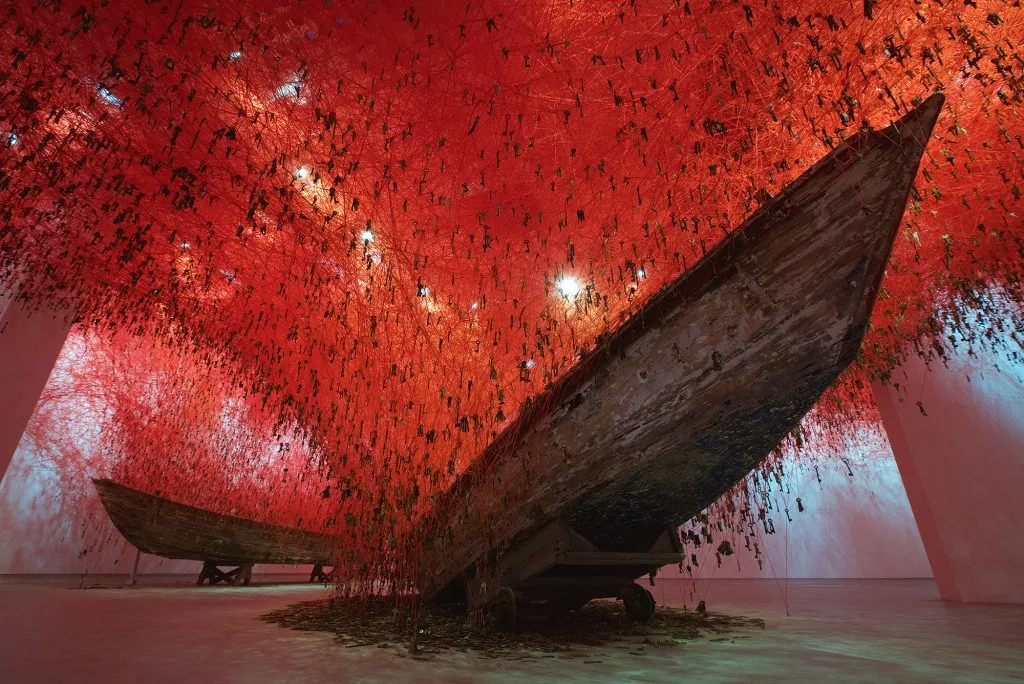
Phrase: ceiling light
pixel 109 97
pixel 292 89
pixel 568 286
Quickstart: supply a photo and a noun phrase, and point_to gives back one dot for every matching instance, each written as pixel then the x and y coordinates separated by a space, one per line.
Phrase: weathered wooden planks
pixel 166 528
pixel 700 385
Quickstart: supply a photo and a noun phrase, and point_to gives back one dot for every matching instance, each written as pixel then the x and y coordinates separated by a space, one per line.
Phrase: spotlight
pixel 293 90
pixel 235 55
pixel 568 286
pixel 367 236
pixel 109 97
pixel 641 274
pixel 302 173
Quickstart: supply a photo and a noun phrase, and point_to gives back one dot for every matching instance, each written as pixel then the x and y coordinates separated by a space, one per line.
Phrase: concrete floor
pixel 837 631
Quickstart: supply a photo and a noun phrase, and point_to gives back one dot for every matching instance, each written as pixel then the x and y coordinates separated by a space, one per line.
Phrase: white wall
pixel 958 434
pixel 851 526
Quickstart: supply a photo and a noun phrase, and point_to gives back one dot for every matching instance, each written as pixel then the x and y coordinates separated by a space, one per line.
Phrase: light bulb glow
pixel 109 97
pixel 292 89
pixel 568 286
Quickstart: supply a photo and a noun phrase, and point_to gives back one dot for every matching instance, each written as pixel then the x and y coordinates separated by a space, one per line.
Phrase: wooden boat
pixel 173 530
pixel 693 391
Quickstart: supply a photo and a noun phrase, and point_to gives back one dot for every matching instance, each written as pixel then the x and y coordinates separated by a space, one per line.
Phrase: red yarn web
pixel 321 253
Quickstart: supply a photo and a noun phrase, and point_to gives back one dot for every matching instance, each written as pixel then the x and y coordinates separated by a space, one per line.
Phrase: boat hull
pixel 166 528
pixel 691 393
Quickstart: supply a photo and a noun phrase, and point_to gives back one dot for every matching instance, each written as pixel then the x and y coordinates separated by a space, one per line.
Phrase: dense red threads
pixel 334 233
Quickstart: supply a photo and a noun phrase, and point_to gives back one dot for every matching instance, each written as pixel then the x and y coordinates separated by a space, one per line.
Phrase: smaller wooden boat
pixel 170 529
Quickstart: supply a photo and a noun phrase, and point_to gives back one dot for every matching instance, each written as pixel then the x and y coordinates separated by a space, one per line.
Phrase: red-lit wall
pixel 859 526
pixel 851 526
pixel 966 460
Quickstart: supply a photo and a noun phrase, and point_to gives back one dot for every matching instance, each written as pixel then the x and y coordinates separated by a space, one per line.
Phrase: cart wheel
pixel 505 608
pixel 639 603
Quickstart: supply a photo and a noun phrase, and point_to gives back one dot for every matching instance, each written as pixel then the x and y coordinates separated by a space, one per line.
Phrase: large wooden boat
pixel 696 388
pixel 166 528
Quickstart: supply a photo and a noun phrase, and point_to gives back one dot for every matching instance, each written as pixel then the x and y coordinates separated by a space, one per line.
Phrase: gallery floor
pixel 58 629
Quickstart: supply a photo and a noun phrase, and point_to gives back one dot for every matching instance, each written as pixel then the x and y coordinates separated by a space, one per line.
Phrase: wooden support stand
pixel 135 569
pixel 321 575
pixel 242 574
pixel 559 571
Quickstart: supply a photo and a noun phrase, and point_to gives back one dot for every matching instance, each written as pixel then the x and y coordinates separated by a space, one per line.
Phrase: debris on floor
pixel 599 627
